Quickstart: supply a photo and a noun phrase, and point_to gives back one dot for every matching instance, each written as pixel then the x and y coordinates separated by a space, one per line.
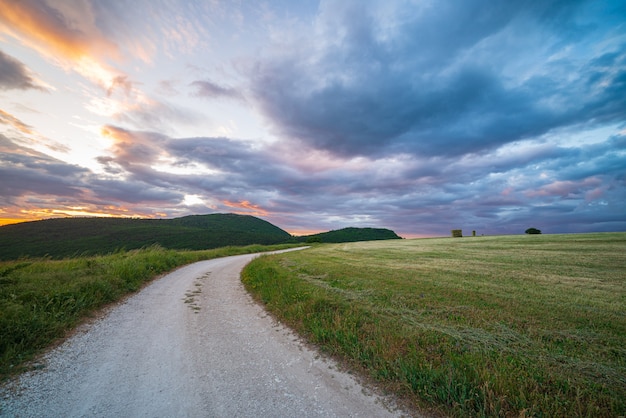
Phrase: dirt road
pixel 191 344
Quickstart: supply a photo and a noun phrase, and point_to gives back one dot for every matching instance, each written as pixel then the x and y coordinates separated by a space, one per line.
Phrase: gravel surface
pixel 191 344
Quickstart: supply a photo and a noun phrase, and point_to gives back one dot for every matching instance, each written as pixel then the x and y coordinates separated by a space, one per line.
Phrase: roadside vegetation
pixel 42 299
pixel 529 325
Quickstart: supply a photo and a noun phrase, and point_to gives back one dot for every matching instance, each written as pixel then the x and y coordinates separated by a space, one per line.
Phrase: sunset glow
pixel 317 115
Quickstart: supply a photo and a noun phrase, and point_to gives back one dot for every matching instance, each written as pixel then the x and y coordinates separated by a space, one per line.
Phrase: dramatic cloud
pixel 25 172
pixel 36 184
pixel 441 79
pixel 416 116
pixel 68 28
pixel 497 191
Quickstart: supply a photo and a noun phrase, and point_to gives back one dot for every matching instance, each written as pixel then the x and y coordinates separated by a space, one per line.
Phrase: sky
pixel 420 116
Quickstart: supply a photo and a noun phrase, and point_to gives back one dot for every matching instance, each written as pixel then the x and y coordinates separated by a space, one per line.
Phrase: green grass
pixel 531 325
pixel 42 299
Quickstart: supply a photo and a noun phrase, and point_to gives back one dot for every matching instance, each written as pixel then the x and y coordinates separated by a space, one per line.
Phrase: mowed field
pixel 531 325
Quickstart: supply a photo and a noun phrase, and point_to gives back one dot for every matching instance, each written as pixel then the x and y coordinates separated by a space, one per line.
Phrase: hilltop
pixel 350 234
pixel 66 237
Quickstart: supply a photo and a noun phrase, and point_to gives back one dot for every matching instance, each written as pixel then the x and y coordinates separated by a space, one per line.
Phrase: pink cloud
pixel 564 188
pixel 595 194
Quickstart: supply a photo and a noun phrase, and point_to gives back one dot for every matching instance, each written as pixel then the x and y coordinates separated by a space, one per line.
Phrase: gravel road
pixel 193 343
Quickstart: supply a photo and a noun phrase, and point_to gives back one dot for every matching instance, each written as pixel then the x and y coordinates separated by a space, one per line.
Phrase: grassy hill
pixel 58 238
pixel 350 235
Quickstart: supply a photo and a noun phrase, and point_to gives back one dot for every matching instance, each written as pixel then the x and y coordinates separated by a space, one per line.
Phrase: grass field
pixel 484 326
pixel 42 299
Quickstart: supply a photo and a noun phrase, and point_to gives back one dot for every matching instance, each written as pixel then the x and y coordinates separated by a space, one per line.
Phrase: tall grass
pixel 486 326
pixel 41 299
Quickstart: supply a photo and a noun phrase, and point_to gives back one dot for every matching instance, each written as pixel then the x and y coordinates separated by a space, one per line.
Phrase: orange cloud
pixel 67 29
pixel 248 208
pixel 65 33
pixel 301 232
pixel 34 213
pixel 9 221
pixel 8 119
pixel 118 135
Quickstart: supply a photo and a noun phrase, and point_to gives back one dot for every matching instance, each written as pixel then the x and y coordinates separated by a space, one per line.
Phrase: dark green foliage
pixel 350 235
pixel 70 237
pixel 59 238
pixel 532 231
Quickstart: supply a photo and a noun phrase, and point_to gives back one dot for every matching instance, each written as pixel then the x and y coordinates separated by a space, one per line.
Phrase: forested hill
pixel 65 237
pixel 350 235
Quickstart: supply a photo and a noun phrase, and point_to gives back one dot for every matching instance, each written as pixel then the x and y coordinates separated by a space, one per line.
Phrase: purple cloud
pixel 382 86
pixel 15 75
pixel 211 90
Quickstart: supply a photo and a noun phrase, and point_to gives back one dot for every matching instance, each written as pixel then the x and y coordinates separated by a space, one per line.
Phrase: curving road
pixel 191 344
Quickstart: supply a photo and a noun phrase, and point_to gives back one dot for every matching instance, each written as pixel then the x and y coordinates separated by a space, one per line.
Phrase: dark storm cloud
pixel 218 152
pixel 240 165
pixel 501 191
pixel 607 158
pixel 25 172
pixel 15 75
pixel 133 191
pixel 449 80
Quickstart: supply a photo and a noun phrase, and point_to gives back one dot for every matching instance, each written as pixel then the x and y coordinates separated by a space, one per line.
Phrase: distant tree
pixel 533 231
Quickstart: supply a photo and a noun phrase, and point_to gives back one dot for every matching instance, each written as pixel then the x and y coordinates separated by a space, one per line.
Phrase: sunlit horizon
pixel 317 115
